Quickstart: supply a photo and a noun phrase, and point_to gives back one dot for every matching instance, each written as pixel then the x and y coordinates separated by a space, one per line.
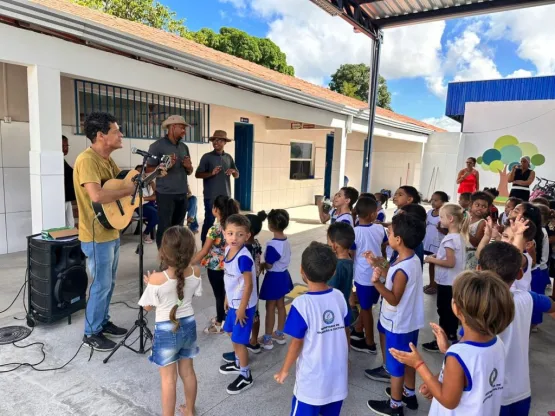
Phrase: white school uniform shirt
pixel 280 249
pixel 516 338
pixel 525 283
pixel 233 277
pixel 368 237
pixel 408 315
pixel 446 276
pixel 433 236
pixel 381 215
pixel 320 319
pixel 347 217
pixel 484 368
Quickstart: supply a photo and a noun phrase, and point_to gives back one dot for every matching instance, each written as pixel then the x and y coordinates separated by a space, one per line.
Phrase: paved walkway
pixel 129 385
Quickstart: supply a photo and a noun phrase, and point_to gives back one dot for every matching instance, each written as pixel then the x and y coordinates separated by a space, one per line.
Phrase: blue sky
pixel 418 61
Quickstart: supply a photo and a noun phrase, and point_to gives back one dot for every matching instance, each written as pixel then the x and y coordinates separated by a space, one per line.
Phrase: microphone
pixel 143 153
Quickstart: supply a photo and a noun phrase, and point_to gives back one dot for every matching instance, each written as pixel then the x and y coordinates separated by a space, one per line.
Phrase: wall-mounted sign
pixel 296 126
pixel 308 126
pixel 244 120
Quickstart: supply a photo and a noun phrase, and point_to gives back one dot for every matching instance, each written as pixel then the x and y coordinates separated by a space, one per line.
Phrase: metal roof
pixel 368 16
pixel 512 89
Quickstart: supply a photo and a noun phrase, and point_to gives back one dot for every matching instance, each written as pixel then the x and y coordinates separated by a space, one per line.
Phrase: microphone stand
pixel 140 323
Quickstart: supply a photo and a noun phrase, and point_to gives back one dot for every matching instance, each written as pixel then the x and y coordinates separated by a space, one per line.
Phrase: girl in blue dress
pixel 277 281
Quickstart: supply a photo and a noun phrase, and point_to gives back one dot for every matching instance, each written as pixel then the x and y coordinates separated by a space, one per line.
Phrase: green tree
pixel 148 12
pixel 505 154
pixel 229 40
pixel 251 48
pixel 353 80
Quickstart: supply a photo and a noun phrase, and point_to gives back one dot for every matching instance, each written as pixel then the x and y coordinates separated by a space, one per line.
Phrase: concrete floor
pixel 129 385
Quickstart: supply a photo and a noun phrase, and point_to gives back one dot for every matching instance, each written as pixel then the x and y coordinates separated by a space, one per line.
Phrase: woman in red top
pixel 468 178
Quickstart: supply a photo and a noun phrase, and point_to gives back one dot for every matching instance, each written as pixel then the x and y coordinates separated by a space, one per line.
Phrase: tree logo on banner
pixel 505 154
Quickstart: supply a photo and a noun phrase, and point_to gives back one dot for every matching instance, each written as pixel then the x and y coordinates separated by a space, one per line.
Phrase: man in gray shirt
pixel 171 190
pixel 215 168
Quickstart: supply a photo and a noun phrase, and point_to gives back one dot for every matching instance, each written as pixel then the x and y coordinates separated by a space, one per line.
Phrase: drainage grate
pixel 9 334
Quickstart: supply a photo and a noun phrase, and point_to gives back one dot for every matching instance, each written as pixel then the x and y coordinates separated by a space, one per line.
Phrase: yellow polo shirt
pixel 90 167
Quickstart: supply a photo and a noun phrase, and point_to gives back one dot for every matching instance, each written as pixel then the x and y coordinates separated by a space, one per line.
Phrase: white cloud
pixel 316 44
pixel 239 4
pixel 444 122
pixel 520 73
pixel 532 29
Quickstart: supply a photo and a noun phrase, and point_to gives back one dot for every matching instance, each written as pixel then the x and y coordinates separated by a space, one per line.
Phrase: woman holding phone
pixel 522 177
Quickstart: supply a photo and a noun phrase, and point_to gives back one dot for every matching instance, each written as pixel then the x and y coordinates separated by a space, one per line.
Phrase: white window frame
pixel 311 159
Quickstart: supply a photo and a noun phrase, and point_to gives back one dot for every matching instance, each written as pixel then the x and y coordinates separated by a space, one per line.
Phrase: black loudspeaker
pixel 57 279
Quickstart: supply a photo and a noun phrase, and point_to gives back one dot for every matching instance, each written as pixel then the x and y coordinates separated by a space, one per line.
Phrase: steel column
pixel 372 100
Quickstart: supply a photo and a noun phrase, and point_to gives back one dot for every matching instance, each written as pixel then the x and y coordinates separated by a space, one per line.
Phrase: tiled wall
pixel 271 184
pixel 15 188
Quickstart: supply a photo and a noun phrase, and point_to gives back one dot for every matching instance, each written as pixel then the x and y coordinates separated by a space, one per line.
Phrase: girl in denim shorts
pixel 175 332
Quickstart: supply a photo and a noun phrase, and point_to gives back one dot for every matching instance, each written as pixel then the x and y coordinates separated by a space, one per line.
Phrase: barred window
pixel 140 114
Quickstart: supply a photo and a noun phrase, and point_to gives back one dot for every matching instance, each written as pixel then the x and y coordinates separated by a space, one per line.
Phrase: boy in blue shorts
pixel 241 298
pixel 317 324
pixel 402 311
pixel 369 237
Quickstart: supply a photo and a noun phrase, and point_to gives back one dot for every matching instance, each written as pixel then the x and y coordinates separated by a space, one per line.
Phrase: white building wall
pixel 439 164
pixel 528 121
pixel 395 163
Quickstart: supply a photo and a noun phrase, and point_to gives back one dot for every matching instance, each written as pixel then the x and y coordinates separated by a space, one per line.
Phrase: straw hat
pixel 220 134
pixel 175 119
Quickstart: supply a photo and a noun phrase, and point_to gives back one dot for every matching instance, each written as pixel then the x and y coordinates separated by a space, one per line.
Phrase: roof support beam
pixel 372 99
pixel 464 10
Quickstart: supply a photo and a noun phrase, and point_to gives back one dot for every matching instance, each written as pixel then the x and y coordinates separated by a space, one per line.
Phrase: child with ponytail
pixel 175 331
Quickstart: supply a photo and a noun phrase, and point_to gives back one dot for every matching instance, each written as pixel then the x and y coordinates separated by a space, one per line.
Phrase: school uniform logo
pixel 328 317
pixel 493 377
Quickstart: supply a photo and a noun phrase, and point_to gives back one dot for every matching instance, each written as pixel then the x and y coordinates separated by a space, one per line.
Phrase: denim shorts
pixel 169 347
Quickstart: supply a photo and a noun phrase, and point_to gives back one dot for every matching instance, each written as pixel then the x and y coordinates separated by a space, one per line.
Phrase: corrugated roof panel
pixel 393 13
pixel 514 89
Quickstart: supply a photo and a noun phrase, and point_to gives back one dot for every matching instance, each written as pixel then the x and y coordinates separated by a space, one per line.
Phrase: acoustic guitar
pixel 117 215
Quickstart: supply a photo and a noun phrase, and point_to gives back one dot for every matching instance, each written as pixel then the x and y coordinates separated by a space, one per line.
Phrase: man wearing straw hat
pixel 215 169
pixel 171 190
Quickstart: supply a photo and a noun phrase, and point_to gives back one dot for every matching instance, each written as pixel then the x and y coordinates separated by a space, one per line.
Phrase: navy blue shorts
pixel 368 296
pixel 399 342
pixel 239 334
pixel 276 285
pixel 303 409
pixel 381 329
pixel 520 408
pixel 169 347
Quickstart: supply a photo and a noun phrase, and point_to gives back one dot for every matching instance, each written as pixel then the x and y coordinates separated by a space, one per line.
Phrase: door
pixel 329 163
pixel 244 149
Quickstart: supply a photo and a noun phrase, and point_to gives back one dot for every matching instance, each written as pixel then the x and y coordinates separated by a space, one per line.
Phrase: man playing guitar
pixel 92 168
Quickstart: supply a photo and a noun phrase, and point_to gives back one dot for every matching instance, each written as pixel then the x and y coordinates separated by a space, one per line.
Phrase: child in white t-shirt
pixel 434 235
pixel 402 310
pixel 344 201
pixel 471 381
pixel 277 282
pixel 318 325
pixel 449 262
pixel 503 259
pixel 369 237
pixel 175 333
pixel 241 298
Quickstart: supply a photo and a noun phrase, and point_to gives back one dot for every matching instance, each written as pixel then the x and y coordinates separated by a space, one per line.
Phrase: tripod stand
pixel 140 323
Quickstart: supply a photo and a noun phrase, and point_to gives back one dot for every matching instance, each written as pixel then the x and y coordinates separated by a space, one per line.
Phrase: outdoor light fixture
pixel 327 6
